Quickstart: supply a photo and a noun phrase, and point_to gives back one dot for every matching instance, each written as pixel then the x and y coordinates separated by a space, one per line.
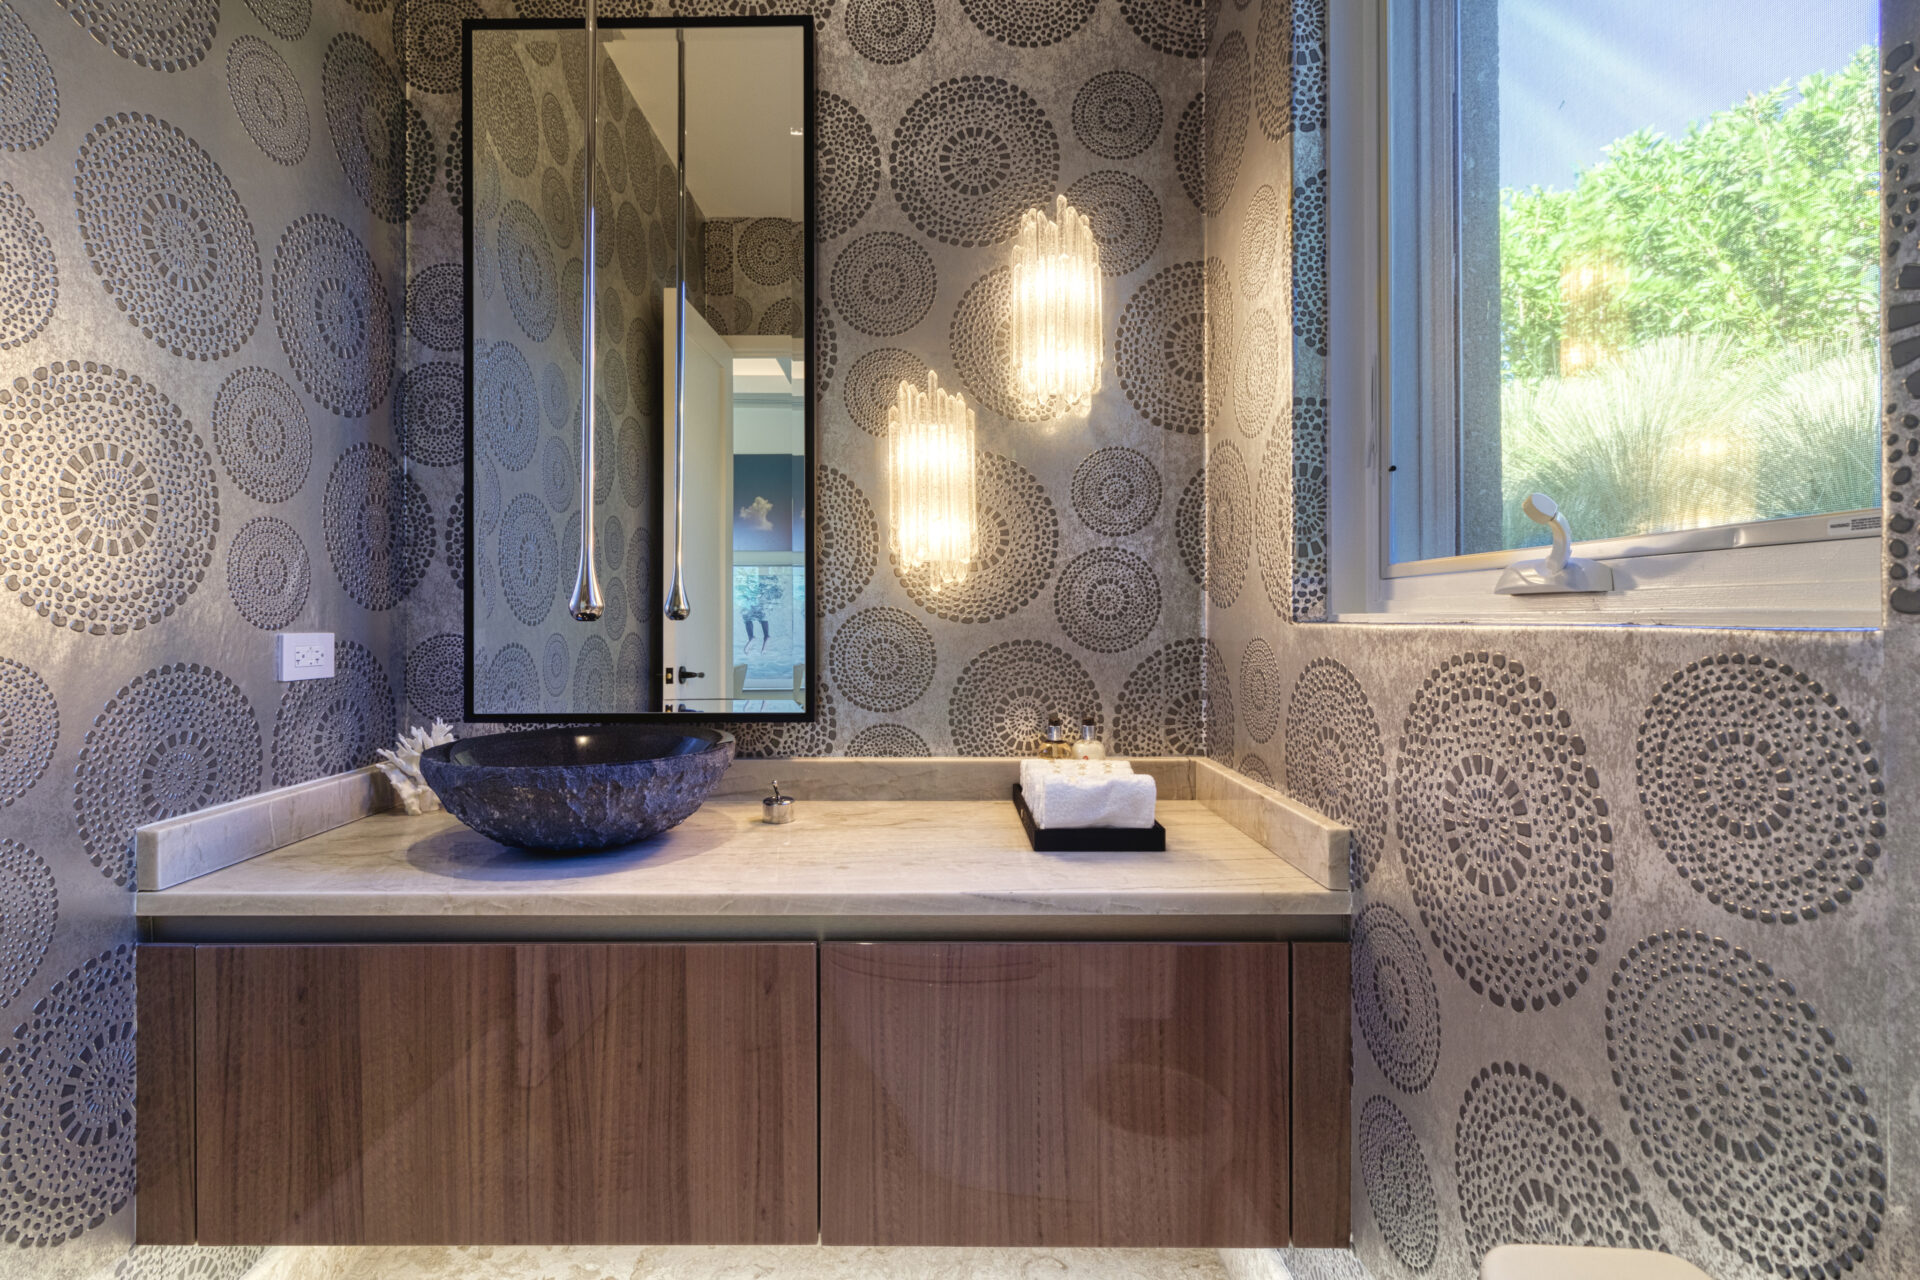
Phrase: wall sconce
pixel 1056 330
pixel 930 482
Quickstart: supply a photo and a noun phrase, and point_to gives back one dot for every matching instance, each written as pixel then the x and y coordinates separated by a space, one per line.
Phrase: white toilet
pixel 1559 1262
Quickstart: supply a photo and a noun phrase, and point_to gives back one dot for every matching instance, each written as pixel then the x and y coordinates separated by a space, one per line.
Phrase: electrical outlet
pixel 303 655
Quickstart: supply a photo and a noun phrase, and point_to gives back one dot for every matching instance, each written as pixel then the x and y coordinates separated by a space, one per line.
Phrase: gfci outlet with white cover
pixel 303 655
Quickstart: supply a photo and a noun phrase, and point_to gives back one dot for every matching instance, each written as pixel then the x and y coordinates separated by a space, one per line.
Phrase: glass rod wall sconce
pixel 1056 330
pixel 930 483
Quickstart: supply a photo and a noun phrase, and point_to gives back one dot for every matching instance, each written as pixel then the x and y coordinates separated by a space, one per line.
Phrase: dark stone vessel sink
pixel 578 789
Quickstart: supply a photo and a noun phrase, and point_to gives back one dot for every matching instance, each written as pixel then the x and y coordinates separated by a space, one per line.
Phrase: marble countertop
pixel 845 868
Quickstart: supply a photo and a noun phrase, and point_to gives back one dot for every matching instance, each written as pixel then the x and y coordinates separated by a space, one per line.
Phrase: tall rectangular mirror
pixel 695 492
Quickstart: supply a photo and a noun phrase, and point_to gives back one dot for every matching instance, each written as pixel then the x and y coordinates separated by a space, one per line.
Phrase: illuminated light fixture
pixel 1056 330
pixel 930 482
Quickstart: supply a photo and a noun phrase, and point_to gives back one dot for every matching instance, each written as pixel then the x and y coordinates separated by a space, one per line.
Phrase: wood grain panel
pixel 560 1094
pixel 1118 1094
pixel 1322 1095
pixel 164 1095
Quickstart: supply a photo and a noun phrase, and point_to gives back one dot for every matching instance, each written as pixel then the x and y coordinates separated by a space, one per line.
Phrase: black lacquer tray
pixel 1151 839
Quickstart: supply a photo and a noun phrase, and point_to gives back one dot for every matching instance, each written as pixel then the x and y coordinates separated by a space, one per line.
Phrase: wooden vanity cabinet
pixel 1055 1094
pixel 1142 1094
pixel 498 1094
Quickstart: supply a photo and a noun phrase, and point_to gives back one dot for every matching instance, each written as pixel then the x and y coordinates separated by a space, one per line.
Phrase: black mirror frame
pixel 811 710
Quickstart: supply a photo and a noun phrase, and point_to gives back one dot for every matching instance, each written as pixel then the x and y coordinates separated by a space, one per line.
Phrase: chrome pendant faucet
pixel 678 608
pixel 587 603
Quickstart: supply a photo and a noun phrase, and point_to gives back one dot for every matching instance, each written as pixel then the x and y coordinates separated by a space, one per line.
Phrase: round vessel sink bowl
pixel 578 789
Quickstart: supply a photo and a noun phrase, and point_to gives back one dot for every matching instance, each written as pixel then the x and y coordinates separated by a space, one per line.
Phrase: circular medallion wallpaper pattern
pixel 529 560
pixel 29 909
pixel 266 96
pixel 1747 1106
pixel 815 738
pixel 1107 600
pixel 66 1105
pixel 887 740
pixel 436 301
pixel 1534 1165
pixel 889 32
pixel 426 40
pixel 1336 762
pixel 381 138
pixel 556 664
pixel 873 384
pixel 431 419
pixel 326 727
pixel 164 35
pixel 29 95
pixel 1125 217
pixel 883 283
pixel 29 728
pixel 268 572
pixel 1273 68
pixel 1399 1183
pixel 1273 524
pixel 1261 690
pixel 378 525
pixel 1261 233
pixel 1117 114
pixel 1229 523
pixel 436 678
pixel 1177 703
pixel 506 405
pixel 1504 832
pixel 335 319
pixel 1029 24
pixel 1190 526
pixel 1000 704
pixel 1167 344
pixel 1395 1002
pixel 167 236
pixel 262 433
pixel 114 499
pixel 30 281
pixel 1116 491
pixel 1760 789
pixel 847 540
pixel 881 659
pixel 174 740
pixel 970 157
pixel 509 682
pixel 503 104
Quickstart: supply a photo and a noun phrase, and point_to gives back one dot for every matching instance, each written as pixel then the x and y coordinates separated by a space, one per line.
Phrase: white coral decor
pixel 402 767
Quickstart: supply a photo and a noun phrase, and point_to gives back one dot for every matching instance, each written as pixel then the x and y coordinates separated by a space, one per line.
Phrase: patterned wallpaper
pixel 202 305
pixel 1629 954
pixel 1630 960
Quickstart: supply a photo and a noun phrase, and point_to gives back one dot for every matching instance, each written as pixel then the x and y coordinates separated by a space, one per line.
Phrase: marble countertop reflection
pixel 848 860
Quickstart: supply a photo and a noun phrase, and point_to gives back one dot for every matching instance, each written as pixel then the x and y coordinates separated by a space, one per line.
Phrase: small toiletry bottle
pixel 1089 747
pixel 1056 746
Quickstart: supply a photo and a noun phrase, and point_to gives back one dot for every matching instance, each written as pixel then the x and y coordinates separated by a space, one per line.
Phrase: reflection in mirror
pixel 740 478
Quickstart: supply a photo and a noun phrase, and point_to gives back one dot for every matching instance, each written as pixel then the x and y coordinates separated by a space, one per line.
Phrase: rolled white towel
pixel 1064 794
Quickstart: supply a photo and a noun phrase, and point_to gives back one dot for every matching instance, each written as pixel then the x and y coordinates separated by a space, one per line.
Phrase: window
pixel 1626 255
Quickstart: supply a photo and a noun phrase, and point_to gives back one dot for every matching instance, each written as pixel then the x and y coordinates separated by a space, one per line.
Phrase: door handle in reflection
pixel 686 675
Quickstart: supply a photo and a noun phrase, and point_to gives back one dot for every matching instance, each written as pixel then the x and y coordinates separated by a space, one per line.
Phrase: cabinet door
pixel 1053 1094
pixel 567 1093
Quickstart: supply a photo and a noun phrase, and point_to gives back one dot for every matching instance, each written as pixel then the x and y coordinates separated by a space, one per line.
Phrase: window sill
pixel 1819 586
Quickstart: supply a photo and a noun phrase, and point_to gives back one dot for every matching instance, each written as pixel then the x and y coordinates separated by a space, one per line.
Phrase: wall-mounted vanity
pixel 889 1022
